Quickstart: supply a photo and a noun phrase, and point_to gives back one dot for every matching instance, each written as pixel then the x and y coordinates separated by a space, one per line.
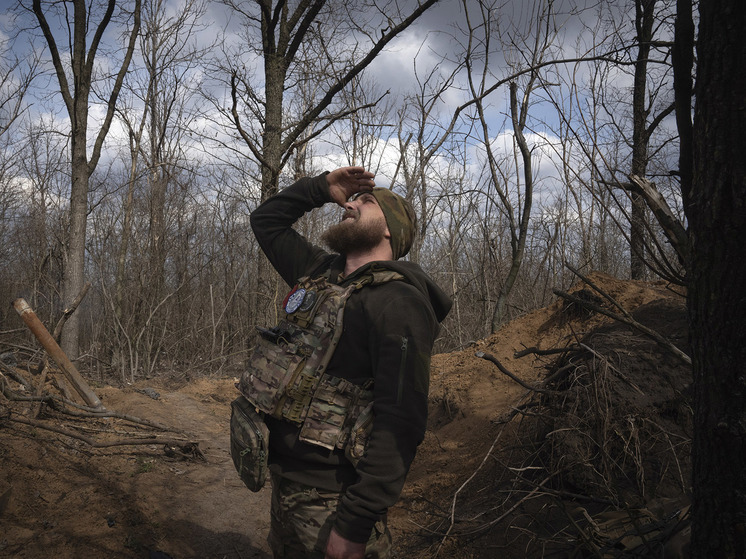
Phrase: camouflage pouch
pixel 333 408
pixel 249 443
pixel 359 435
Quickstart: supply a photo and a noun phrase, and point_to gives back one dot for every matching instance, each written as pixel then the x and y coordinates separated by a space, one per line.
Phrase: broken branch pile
pixel 40 404
pixel 594 460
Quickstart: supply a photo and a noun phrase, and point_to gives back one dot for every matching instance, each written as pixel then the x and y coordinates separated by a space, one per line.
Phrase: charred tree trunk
pixel 716 211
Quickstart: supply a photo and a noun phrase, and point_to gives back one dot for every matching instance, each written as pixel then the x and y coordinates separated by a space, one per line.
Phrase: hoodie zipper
pixel 402 368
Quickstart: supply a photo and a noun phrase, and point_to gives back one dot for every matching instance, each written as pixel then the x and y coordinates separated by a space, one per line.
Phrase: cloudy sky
pixel 435 41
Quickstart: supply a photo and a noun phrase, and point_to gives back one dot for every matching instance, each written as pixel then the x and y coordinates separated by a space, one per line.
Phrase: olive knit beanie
pixel 400 219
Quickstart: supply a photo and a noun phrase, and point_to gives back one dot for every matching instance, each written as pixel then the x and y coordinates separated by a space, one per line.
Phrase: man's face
pixel 363 226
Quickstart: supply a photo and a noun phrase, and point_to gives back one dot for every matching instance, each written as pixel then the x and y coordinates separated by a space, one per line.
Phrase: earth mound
pixel 566 433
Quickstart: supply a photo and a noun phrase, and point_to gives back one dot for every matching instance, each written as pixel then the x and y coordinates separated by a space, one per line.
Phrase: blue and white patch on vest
pixel 295 299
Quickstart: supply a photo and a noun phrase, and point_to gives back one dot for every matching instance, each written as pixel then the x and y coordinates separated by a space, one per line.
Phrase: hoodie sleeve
pixel 272 222
pixel 403 332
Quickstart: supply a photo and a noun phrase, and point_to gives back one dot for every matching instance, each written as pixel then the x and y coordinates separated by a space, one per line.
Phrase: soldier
pixel 343 379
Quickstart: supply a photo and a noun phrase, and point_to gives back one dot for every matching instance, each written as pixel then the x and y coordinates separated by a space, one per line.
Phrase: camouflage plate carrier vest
pixel 286 375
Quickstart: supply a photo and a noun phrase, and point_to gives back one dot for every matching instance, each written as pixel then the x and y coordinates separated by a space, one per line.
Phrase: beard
pixel 354 236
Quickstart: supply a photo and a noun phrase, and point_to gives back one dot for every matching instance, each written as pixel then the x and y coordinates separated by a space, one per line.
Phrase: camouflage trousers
pixel 302 519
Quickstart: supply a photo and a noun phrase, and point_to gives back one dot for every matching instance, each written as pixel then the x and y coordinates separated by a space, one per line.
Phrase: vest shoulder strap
pixel 377 276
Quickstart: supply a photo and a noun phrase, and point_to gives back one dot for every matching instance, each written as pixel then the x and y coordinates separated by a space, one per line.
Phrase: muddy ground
pixel 498 455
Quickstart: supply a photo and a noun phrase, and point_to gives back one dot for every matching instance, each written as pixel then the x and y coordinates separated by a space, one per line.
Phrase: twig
pixel 16 376
pixel 122 416
pixel 558 372
pixel 463 485
pixel 537 351
pixel 510 416
pixel 530 494
pixel 425 528
pixel 668 436
pixel 83 427
pixel 54 401
pixel 99 444
pixel 629 321
pixel 587 540
pixel 617 371
pixel 596 288
pixel 560 493
pixel 523 410
pixel 504 370
pixel 67 313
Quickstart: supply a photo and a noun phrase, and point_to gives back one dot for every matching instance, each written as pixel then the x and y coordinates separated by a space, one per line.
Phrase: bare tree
pixel 84 35
pixel 16 76
pixel 530 49
pixel 365 135
pixel 282 30
pixel 625 140
pixel 158 120
pixel 643 144
pixel 170 59
pixel 643 126
pixel 42 162
pixel 421 139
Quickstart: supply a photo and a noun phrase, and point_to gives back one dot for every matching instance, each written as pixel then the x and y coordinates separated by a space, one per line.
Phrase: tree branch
pixel 671 225
pixel 111 105
pixel 314 112
pixel 492 359
pixel 193 446
pixel 627 319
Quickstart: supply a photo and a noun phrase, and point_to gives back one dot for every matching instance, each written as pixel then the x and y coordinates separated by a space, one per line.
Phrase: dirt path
pixel 67 500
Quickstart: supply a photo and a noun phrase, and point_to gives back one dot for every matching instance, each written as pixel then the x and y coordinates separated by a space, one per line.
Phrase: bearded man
pixel 343 432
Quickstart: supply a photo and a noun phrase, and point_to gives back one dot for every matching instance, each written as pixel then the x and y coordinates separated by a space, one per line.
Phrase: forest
pixel 536 140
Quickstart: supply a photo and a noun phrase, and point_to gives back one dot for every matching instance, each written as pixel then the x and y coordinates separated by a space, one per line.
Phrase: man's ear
pixel 387 234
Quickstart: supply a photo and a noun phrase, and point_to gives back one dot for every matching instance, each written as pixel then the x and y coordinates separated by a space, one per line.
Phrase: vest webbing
pixel 286 376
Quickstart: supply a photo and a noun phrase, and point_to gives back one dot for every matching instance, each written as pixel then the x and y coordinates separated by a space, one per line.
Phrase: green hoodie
pixel 389 331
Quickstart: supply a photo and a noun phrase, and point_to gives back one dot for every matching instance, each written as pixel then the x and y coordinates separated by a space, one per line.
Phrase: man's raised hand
pixel 346 181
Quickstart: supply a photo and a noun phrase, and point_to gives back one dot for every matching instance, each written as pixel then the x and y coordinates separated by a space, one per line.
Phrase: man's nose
pixel 350 204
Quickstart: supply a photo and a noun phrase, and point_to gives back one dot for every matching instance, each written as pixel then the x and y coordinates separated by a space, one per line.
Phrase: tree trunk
pixel 74 275
pixel 518 238
pixel 644 18
pixel 128 205
pixel 716 210
pixel 76 102
pixel 275 75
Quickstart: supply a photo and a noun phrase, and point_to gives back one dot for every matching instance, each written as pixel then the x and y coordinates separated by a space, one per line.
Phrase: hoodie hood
pixel 416 276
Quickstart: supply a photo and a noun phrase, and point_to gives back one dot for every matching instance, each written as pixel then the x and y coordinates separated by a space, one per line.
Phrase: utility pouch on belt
pixel 249 443
pixel 286 376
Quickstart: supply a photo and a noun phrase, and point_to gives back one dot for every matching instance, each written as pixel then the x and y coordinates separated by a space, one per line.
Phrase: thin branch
pixel 67 313
pixel 629 321
pixel 55 401
pixel 617 371
pixel 537 351
pixel 104 444
pixel 504 370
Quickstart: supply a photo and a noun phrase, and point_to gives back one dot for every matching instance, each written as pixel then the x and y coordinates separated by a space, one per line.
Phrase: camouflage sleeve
pixel 291 254
pixel 403 333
